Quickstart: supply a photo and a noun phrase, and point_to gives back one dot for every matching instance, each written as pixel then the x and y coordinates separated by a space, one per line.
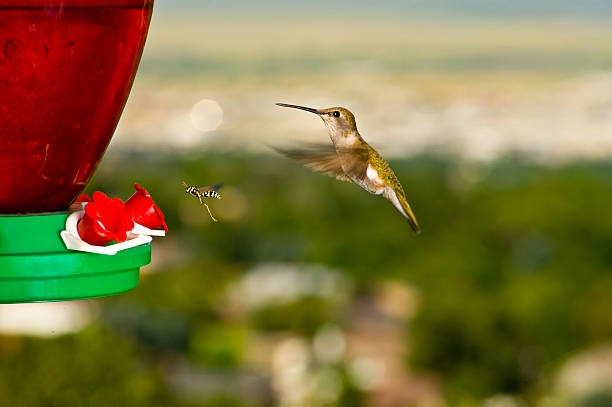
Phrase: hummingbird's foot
pixel 210 213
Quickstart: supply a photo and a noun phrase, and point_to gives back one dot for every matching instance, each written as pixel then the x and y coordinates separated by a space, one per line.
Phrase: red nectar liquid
pixel 66 69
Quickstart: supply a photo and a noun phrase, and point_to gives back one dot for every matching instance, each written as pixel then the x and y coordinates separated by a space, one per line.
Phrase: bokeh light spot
pixel 206 115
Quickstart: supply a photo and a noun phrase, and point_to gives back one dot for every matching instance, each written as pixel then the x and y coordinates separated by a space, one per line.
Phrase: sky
pixel 599 9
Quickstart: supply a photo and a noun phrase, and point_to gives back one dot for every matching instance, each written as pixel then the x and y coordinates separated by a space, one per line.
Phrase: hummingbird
pixel 351 159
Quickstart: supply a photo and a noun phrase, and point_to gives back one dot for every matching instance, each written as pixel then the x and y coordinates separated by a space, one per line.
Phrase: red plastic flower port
pixel 142 210
pixel 105 220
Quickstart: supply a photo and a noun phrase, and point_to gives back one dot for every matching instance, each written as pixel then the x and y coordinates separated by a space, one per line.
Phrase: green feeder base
pixel 36 266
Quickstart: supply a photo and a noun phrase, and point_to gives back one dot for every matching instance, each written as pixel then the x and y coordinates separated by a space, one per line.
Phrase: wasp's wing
pixel 319 157
pixel 214 187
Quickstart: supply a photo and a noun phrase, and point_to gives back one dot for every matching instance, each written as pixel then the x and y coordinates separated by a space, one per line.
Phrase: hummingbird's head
pixel 339 121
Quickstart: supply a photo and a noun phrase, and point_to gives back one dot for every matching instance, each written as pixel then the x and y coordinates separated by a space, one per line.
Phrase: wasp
pixel 209 191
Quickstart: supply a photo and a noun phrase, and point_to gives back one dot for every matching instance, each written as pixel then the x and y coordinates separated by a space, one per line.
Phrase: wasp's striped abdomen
pixel 204 192
pixel 210 194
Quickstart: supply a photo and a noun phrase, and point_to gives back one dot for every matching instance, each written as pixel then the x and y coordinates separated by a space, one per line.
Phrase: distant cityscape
pixel 476 91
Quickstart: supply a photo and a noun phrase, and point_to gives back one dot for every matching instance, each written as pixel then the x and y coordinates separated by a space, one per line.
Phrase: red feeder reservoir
pixel 66 69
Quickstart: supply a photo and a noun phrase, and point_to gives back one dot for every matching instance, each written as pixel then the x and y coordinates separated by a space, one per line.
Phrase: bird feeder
pixel 66 69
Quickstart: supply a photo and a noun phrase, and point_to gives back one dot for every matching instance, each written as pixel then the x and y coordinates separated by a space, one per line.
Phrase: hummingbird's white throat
pixel 340 131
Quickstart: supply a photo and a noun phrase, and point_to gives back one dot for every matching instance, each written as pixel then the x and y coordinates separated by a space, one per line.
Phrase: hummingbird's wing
pixel 214 187
pixel 320 157
pixel 354 161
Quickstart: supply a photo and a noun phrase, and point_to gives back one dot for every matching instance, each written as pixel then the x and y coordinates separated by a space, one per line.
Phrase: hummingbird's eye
pixel 336 113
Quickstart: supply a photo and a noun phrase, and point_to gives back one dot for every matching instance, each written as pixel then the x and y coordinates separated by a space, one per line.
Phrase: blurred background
pixel 497 118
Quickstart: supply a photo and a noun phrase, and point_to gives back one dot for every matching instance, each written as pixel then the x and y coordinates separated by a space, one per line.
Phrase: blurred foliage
pixel 603 399
pixel 513 269
pixel 95 367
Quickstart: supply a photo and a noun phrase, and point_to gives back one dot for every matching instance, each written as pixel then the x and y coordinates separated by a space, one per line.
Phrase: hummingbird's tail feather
pixel 399 201
pixel 410 215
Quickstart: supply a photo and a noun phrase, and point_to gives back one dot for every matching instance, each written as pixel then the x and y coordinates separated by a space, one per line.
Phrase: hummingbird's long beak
pixel 308 109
